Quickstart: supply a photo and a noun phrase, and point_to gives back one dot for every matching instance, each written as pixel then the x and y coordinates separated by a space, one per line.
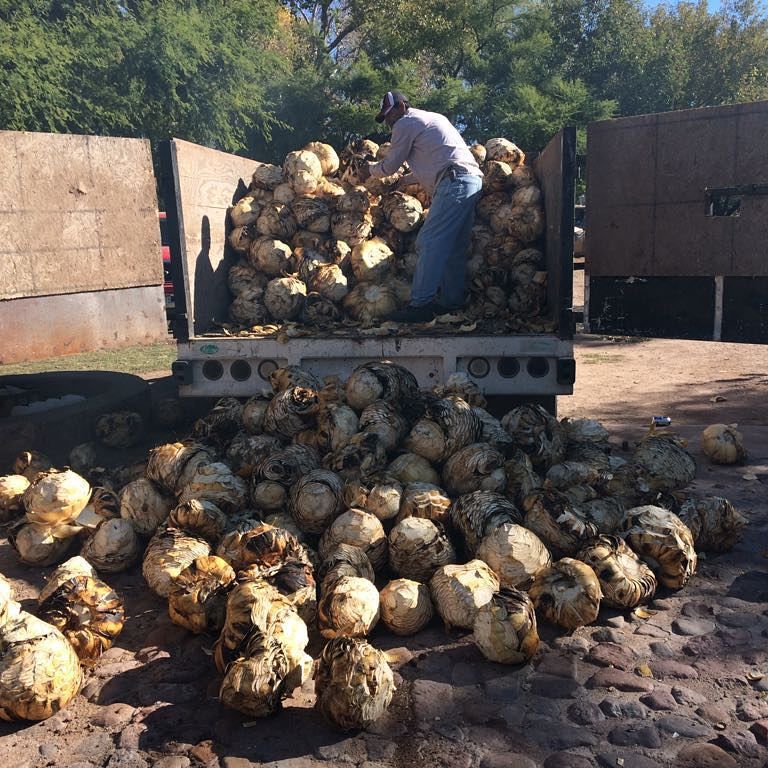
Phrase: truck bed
pixel 215 358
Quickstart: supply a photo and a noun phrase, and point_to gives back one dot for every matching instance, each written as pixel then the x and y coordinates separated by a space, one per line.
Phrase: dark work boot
pixel 421 314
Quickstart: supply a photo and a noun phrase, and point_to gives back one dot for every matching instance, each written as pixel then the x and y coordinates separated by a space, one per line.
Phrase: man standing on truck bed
pixel 442 163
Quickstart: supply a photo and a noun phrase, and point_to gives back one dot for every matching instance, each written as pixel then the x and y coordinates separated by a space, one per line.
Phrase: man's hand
pixel 365 171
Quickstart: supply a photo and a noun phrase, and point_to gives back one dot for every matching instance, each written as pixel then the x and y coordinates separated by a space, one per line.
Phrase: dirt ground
pixel 152 699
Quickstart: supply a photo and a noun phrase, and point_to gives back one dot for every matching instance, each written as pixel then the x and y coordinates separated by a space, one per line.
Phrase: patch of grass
pixel 139 359
pixel 593 358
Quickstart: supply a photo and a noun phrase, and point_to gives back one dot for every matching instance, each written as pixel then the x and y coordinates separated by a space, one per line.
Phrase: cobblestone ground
pixel 686 685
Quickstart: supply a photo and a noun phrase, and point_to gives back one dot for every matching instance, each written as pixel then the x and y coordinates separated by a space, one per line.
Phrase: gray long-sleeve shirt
pixel 430 144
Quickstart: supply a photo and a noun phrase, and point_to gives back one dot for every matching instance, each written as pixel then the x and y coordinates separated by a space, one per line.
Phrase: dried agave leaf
pixel 458 591
pixel 418 547
pixel 567 593
pixel 354 684
pixel 515 554
pixel 406 606
pixel 505 628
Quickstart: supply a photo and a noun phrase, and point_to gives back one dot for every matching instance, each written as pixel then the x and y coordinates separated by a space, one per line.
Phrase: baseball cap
pixel 391 98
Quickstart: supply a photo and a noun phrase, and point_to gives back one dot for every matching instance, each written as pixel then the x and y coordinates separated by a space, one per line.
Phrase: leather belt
pixel 456 170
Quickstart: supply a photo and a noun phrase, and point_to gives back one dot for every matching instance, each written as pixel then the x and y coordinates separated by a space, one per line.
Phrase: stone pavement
pixel 683 683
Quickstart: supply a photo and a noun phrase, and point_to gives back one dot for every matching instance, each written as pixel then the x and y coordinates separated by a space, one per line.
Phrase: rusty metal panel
pixel 693 153
pixel 621 162
pixel 77 214
pixel 36 328
pixel 622 237
pixel 686 242
pixel 207 182
pixel 556 170
pixel 635 230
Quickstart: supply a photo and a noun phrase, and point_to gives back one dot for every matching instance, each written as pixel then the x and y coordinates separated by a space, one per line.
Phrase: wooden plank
pixel 207 183
pixel 77 214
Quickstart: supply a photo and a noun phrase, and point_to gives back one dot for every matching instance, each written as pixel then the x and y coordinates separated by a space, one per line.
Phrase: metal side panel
pixel 556 170
pixel 511 365
pixel 205 183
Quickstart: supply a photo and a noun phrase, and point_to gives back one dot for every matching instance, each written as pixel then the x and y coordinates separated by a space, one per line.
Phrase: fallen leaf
pixel 717 399
pixel 749 476
pixel 468 327
pixel 643 670
pixel 643 613
pixel 754 675
pixel 449 317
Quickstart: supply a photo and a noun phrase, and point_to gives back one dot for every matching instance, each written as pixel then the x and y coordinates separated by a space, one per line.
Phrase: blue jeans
pixel 443 242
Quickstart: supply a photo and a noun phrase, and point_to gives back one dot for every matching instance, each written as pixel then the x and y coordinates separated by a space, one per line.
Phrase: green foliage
pixel 263 77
